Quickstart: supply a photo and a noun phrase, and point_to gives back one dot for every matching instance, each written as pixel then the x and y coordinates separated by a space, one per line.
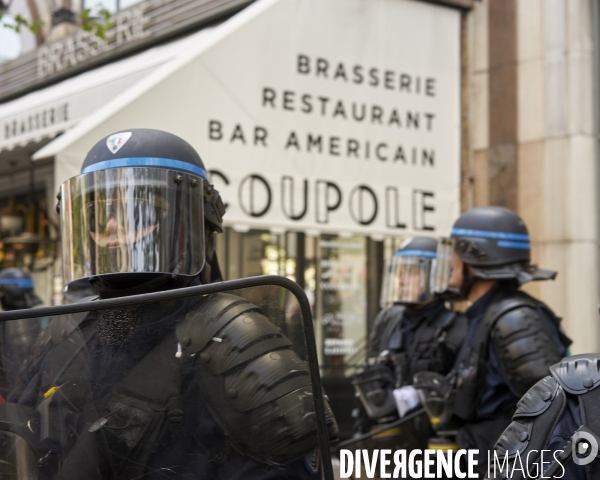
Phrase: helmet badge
pixel 116 141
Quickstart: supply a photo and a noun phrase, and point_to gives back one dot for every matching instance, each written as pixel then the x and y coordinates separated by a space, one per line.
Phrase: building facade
pixel 533 127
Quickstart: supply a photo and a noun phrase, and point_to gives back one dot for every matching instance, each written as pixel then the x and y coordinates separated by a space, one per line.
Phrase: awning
pixel 50 111
pixel 337 116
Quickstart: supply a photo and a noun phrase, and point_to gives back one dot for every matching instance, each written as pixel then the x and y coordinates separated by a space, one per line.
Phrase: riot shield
pixel 215 381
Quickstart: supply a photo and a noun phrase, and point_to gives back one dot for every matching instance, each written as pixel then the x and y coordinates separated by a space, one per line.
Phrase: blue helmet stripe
pixel 415 253
pixel 19 282
pixel 505 244
pixel 487 234
pixel 146 162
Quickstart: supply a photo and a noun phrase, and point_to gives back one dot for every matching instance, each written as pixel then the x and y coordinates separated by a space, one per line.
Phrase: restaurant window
pixel 333 272
pixel 336 282
pixel 27 235
pixel 26 232
pixel 257 252
pixel 390 247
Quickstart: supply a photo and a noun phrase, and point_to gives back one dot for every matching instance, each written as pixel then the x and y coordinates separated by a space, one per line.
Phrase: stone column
pixel 533 141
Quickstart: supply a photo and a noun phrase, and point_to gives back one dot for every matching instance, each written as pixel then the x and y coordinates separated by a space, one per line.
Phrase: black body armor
pixel 392 361
pixel 385 331
pixel 575 379
pixel 247 363
pixel 524 342
pixel 238 365
pixel 400 347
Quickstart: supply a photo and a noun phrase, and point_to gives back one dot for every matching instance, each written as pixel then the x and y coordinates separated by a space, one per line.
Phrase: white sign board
pixel 338 115
pixel 312 115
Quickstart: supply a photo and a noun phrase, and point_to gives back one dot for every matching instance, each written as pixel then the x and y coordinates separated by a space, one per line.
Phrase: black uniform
pixel 170 416
pixel 415 333
pixel 418 339
pixel 550 414
pixel 512 340
pixel 405 341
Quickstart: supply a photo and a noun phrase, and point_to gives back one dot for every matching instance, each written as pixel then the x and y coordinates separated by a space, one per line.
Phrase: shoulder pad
pixel 525 347
pixel 384 326
pixel 514 439
pixel 578 374
pixel 538 399
pixel 228 331
pixel 254 383
pixel 390 313
pixel 518 319
pixel 396 309
pixel 207 317
pixel 503 305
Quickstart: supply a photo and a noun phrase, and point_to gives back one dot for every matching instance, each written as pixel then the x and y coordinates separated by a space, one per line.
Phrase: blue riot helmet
pixel 141 213
pixel 494 242
pixel 408 277
pixel 16 287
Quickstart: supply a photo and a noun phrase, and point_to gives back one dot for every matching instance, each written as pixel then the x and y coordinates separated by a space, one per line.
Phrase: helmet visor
pixel 129 220
pixel 443 270
pixel 409 278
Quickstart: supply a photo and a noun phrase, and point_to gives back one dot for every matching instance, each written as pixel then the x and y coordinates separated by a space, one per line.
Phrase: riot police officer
pixel 556 427
pixel 16 338
pixel 204 387
pixel 513 338
pixel 415 332
pixel 17 289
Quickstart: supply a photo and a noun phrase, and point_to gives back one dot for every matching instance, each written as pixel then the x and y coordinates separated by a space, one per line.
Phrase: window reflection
pixel 336 271
pixel 333 272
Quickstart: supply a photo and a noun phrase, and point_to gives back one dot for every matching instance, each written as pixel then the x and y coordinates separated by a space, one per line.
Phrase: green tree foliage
pixel 19 23
pixel 98 25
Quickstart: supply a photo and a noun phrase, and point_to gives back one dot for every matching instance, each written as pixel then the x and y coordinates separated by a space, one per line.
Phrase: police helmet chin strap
pixel 28 300
pixel 214 208
pixel 467 282
pixel 460 293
